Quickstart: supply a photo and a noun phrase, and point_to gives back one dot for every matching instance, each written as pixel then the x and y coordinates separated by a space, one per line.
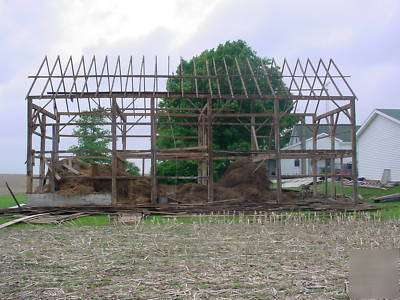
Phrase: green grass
pixel 391 210
pixel 7 201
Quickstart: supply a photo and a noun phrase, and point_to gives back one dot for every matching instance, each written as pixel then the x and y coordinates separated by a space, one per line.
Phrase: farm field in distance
pixel 298 257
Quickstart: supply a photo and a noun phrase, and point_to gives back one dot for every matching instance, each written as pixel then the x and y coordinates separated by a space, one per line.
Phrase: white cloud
pixel 93 23
pixel 360 35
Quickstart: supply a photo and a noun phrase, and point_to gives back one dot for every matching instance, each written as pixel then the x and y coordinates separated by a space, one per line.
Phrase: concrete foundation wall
pixel 51 199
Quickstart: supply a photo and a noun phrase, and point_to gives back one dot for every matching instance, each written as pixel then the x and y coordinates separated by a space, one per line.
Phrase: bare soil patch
pixel 269 257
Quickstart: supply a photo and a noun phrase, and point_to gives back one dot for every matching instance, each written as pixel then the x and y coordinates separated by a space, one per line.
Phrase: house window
pixel 297 162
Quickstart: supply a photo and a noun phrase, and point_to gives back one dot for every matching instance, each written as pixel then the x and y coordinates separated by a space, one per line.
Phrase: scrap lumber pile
pixel 222 206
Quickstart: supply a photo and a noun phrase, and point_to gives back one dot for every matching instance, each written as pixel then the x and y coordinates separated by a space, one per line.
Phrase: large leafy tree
pixel 224 137
pixel 93 139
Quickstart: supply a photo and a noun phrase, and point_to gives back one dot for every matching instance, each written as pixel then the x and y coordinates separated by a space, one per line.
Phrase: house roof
pixel 391 114
pixel 394 113
pixel 324 128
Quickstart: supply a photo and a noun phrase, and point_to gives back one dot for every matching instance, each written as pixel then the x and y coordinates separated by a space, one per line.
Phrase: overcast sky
pixel 362 36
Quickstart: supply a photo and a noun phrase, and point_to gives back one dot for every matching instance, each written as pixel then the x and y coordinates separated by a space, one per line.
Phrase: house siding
pixel 378 148
pixel 288 166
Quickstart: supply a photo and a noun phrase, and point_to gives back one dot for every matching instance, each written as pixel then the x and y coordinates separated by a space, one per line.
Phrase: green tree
pixel 224 137
pixel 93 139
pixel 131 168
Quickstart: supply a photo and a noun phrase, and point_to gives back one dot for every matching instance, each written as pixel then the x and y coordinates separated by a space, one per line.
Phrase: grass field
pixel 296 257
pixel 7 201
pixel 290 255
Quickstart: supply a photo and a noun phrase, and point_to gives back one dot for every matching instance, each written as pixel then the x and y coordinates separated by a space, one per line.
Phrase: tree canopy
pixel 224 137
pixel 91 139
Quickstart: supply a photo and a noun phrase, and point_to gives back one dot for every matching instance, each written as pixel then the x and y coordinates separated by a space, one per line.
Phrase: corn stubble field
pixel 265 257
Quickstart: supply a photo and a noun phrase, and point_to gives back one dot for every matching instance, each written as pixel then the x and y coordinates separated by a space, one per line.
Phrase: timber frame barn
pixel 63 90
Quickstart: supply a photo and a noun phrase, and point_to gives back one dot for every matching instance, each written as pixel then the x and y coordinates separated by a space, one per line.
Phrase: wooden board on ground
pixel 20 220
pixel 55 219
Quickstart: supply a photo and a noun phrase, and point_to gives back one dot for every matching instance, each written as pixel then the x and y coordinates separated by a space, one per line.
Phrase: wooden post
pixel 143 166
pixel 153 169
pixel 114 191
pixel 210 152
pixel 254 142
pixel 54 155
pixel 341 178
pixel 314 161
pixel 354 150
pixel 42 167
pixel 333 146
pixel 202 169
pixel 277 151
pixel 303 146
pixel 326 176
pixel 29 162
pixel 123 133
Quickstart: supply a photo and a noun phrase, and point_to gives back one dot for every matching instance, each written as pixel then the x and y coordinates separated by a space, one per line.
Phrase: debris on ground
pixel 388 198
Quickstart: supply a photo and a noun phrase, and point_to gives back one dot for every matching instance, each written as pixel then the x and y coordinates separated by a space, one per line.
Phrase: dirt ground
pixel 296 258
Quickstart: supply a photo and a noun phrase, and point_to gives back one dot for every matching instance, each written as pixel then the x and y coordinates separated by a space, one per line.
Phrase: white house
pixel 378 145
pixel 342 142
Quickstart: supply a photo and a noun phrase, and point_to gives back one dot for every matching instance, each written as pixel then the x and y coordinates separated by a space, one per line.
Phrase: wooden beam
pixel 29 154
pixel 43 111
pixel 210 161
pixel 114 192
pixel 147 94
pixel 153 167
pixel 354 151
pixel 332 112
pixel 277 134
pixel 42 165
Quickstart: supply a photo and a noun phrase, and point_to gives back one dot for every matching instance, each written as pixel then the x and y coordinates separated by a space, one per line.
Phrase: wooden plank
pixel 56 175
pixel 70 168
pixel 56 219
pixel 12 194
pixel 20 220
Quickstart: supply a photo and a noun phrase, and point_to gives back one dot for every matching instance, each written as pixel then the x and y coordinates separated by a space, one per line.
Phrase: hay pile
pixel 243 181
pixel 129 190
